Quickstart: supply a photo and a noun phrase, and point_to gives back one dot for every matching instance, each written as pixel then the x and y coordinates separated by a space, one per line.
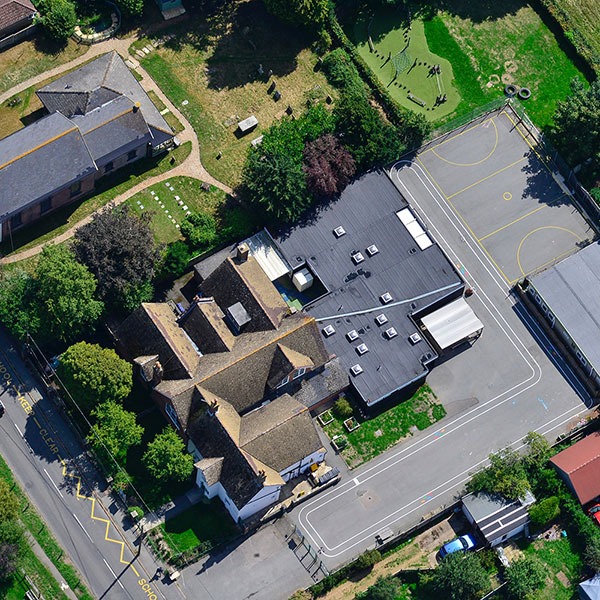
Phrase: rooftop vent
pixel 381 319
pixel 426 357
pixel 372 250
pixel 352 335
pixel 356 369
pixel 390 333
pixel 339 232
pixel 357 258
pixel 386 298
pixel 362 349
pixel 328 330
pixel 415 338
pixel 237 317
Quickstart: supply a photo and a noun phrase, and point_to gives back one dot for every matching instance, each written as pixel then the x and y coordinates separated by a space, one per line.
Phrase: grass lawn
pixel 14 589
pixel 205 524
pixel 376 435
pixel 107 189
pixel 210 72
pixel 168 116
pixel 32 57
pixel 168 213
pixel 563 566
pixel 390 35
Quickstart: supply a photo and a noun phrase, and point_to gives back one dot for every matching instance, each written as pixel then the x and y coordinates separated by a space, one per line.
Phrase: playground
pixel 395 47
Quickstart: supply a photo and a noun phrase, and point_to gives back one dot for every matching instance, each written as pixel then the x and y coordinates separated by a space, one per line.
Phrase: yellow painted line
pixel 485 237
pixel 454 137
pixel 457 164
pixel 487 177
pixel 137 573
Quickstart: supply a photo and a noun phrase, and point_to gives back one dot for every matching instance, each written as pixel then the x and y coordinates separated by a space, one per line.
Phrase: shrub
pixel 342 408
pixel 136 512
pixel 176 259
pixel 367 559
pixel 544 511
pixel 200 229
pixel 524 576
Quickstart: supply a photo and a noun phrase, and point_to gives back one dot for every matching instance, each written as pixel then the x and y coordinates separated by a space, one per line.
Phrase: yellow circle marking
pixel 507 196
pixel 457 164
pixel 535 231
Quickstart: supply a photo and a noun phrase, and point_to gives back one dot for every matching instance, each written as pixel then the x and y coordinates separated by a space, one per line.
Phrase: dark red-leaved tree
pixel 329 167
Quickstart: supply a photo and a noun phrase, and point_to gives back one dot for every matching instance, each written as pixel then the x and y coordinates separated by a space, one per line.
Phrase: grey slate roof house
pixel 99 120
pixel 222 373
pixel 16 20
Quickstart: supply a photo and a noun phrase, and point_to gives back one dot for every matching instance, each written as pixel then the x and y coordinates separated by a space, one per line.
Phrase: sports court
pixel 507 197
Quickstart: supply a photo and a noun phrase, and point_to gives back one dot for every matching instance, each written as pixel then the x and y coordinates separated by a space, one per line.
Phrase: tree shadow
pixel 540 185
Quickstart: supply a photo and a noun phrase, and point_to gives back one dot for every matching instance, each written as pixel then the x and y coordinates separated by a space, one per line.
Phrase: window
pixel 75 188
pixel 284 381
pixel 109 166
pixel 299 372
pixel 45 205
pixel 15 221
pixel 131 155
pixel 172 415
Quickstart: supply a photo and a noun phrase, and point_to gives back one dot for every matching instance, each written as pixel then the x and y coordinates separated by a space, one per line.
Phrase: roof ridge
pixel 129 109
pixel 275 426
pixel 587 462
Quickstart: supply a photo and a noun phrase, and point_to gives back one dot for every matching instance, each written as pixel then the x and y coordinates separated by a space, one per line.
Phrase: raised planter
pixel 339 442
pixel 100 36
pixel 351 424
pixel 325 418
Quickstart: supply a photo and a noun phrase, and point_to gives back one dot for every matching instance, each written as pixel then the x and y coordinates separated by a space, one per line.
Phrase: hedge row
pixel 414 127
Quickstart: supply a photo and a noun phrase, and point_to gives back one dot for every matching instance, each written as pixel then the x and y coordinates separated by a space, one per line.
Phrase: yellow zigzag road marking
pixel 94 517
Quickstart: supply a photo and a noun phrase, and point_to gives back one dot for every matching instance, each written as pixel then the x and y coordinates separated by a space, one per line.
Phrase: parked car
pixel 463 543
pixel 594 512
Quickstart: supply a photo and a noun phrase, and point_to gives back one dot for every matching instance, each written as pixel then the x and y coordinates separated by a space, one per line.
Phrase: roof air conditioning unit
pixel 329 330
pixel 356 369
pixel 352 335
pixel 372 250
pixel 386 298
pixel 381 319
pixel 390 333
pixel 362 349
pixel 415 338
pixel 339 232
pixel 357 258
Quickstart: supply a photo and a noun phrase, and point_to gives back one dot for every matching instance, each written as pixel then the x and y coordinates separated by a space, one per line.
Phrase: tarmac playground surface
pixel 508 198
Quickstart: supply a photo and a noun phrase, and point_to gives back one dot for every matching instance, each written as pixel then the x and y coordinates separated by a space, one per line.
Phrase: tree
pixel 94 375
pixel 591 554
pixel 538 451
pixel 308 13
pixel 12 544
pixel 576 124
pixel 16 311
pixel 505 475
pixel 9 503
pixel 386 588
pixel 166 458
pixel 329 167
pixel 368 559
pixel 114 432
pixel 133 8
pixel 461 577
pixel 200 230
pixel 524 576
pixel 176 259
pixel 64 296
pixel 544 512
pixel 58 18
pixel 119 249
pixel 342 408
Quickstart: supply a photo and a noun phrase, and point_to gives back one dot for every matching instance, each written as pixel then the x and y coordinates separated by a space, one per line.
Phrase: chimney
pixel 157 373
pixel 242 252
pixel 136 107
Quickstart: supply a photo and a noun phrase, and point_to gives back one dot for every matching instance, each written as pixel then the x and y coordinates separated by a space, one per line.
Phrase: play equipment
pixel 402 61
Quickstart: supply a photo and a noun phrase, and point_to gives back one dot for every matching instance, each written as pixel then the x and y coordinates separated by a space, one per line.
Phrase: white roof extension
pixel 414 228
pixel 452 323
pixel 263 249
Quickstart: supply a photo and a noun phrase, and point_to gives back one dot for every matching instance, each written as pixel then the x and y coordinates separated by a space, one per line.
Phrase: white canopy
pixel 263 249
pixel 452 323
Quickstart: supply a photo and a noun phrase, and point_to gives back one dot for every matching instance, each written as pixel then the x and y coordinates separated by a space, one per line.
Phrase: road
pixel 509 383
pixel 62 483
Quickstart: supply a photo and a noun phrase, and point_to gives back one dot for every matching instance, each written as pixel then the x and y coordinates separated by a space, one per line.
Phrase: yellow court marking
pixel 487 177
pixel 535 231
pixel 457 135
pixel 485 237
pixel 507 196
pixel 457 164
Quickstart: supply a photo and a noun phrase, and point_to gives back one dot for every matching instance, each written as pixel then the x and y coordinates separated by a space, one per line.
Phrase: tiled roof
pixel 581 464
pixel 204 323
pixel 14 11
pixel 211 469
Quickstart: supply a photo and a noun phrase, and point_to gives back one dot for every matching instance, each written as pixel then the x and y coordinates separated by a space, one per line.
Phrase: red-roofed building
pixel 579 466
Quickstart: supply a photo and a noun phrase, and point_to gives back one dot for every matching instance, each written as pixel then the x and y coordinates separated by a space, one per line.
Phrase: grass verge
pixel 376 435
pixel 39 530
pixel 169 117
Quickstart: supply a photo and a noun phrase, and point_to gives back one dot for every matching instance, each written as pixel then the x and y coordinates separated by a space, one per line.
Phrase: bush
pixel 367 560
pixel 544 511
pixel 342 408
pixel 135 512
pixel 199 229
pixel 386 588
pixel 176 259
pixel 58 18
pixel 524 576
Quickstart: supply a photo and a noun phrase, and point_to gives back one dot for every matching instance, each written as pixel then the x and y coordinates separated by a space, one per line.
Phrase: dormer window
pixel 172 414
pixel 284 381
pixel 299 372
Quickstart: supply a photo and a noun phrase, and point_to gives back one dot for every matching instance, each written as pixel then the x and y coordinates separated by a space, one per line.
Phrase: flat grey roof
pixel 367 213
pixel 571 289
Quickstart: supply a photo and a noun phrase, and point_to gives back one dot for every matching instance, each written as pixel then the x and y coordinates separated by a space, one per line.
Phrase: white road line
pixel 20 432
pixel 81 525
pixel 356 481
pixel 113 574
pixel 52 482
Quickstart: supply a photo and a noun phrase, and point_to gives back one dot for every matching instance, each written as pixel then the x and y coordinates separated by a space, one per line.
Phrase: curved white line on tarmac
pixel 304 519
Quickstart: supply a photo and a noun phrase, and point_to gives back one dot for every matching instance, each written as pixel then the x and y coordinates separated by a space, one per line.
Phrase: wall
pixel 303 465
pixel 267 496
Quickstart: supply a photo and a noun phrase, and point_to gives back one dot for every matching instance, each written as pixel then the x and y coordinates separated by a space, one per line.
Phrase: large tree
pixel 119 249
pixel 329 167
pixel 114 432
pixel 166 458
pixel 57 18
pixel 64 296
pixel 461 577
pixel 523 576
pixel 17 289
pixel 308 13
pixel 94 375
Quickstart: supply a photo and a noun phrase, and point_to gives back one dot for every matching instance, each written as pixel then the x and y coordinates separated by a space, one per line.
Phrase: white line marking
pixel 20 432
pixel 82 527
pixel 113 573
pixel 52 482
pixel 355 481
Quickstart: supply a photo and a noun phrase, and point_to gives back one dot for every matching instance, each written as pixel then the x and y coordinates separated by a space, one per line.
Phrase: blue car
pixel 463 543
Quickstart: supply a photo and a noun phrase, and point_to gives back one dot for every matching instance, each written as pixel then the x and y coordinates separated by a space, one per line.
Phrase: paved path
pixel 190 167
